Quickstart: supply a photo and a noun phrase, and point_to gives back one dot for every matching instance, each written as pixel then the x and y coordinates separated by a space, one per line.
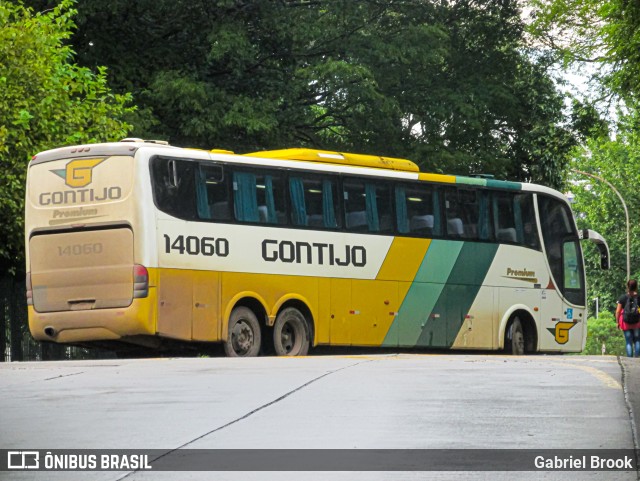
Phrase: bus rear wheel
pixel 243 338
pixel 291 333
pixel 515 338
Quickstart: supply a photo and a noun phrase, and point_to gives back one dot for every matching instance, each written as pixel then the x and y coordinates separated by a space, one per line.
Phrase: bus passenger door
pixel 563 324
pixel 175 301
pixel 551 309
pixel 563 301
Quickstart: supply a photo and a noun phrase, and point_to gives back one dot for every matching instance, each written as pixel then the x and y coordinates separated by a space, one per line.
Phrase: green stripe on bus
pixel 457 296
pixel 504 184
pixel 423 293
pixel 496 184
pixel 471 181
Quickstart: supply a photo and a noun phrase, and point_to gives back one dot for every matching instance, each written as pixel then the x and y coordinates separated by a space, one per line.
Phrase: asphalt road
pixel 371 401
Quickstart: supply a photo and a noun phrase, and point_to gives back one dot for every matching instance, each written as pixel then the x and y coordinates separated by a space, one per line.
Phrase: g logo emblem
pixel 78 173
pixel 561 331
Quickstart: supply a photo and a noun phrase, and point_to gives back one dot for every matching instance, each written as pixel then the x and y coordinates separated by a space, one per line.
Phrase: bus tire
pixel 243 338
pixel 291 333
pixel 515 338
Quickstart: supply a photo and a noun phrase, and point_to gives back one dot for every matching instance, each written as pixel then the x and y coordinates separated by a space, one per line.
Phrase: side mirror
pixel 601 244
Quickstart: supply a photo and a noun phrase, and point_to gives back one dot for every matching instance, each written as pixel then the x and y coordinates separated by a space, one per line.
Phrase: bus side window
pixel 212 193
pixel 504 217
pixel 355 210
pixel 174 186
pixel 485 227
pixel 572 274
pixel 270 195
pixel 417 210
pixel 330 217
pixel 526 221
pixel 379 205
pixel 245 201
pixel 313 201
pixel 368 206
pixel 258 197
pixel 463 213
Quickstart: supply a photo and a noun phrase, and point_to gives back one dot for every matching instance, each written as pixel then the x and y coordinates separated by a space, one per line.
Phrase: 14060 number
pixel 80 249
pixel 192 245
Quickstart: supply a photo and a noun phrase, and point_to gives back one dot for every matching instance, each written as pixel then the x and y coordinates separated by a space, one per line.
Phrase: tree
pixel 448 84
pixel 45 102
pixel 599 208
pixel 603 33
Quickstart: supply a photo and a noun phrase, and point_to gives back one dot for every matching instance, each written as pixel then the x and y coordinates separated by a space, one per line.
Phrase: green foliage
pixel 599 208
pixel 601 32
pixel 604 331
pixel 604 34
pixel 45 102
pixel 448 84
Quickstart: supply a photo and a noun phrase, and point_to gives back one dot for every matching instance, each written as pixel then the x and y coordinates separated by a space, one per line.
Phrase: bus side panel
pixel 478 328
pixel 518 295
pixel 175 303
pixel 402 263
pixel 525 283
pixel 463 284
pixel 274 289
pixel 340 332
pixel 188 304
pixel 374 304
pixel 323 322
pixel 206 306
pixel 416 311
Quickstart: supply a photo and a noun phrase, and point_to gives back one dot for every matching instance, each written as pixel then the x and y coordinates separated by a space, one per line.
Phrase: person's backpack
pixel 631 313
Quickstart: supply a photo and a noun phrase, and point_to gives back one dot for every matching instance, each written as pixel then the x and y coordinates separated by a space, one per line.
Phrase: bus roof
pixel 124 147
pixel 321 157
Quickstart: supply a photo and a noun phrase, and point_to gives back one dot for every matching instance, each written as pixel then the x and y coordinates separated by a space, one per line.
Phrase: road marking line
pixel 601 376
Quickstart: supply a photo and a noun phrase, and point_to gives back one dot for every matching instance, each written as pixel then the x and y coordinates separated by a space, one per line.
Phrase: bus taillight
pixel 140 281
pixel 29 290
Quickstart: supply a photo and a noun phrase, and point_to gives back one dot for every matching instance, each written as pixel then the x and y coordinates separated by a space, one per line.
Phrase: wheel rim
pixel 242 337
pixel 518 341
pixel 288 337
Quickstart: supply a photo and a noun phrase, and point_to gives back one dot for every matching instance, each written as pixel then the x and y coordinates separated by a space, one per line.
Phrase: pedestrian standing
pixel 628 318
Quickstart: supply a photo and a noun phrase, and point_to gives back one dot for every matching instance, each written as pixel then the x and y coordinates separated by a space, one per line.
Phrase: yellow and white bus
pixel 147 244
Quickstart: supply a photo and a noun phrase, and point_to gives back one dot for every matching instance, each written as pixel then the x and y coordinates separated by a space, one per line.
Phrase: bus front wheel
pixel 243 339
pixel 291 333
pixel 515 338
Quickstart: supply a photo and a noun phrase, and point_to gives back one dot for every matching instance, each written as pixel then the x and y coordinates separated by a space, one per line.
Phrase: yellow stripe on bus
pixel 403 259
pixel 448 179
